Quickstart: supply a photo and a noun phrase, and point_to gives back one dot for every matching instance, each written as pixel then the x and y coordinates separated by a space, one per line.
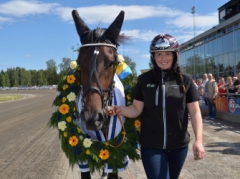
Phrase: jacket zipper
pixel 164 111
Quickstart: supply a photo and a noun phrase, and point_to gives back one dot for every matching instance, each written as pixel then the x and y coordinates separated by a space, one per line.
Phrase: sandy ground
pixel 31 150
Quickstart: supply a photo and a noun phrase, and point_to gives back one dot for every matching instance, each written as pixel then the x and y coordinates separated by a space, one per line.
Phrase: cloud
pixel 4 19
pixel 21 8
pixel 106 13
pixel 185 20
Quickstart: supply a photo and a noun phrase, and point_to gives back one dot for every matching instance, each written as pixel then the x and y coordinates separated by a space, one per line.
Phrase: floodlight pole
pixel 123 44
pixel 193 13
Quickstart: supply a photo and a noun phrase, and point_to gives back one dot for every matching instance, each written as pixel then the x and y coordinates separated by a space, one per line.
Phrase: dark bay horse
pixel 97 60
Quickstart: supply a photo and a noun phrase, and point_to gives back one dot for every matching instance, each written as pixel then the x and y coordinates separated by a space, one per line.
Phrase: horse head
pixel 97 60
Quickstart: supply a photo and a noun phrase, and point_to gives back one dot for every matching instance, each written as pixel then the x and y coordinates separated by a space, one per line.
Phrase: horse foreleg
pixel 113 176
pixel 85 175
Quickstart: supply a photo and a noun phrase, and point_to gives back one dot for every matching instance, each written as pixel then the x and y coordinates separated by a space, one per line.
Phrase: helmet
pixel 164 42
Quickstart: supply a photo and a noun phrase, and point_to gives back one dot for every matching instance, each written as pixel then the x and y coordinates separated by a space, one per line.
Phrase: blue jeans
pixel 212 111
pixel 163 163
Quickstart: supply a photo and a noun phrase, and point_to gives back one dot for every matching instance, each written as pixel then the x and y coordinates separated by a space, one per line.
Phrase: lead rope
pixel 123 132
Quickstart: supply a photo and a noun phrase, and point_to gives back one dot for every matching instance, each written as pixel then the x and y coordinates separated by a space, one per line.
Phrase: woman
pixel 164 97
pixel 200 87
pixel 229 86
pixel 221 87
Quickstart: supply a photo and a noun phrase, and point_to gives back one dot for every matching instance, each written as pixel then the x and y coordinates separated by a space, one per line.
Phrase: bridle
pixel 106 102
pixel 99 89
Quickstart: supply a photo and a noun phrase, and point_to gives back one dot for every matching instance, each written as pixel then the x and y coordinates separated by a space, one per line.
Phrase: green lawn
pixel 8 97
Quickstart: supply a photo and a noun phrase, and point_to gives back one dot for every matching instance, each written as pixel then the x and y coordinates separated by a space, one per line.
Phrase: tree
pixel 64 66
pixel 51 72
pixel 13 77
pixel 4 80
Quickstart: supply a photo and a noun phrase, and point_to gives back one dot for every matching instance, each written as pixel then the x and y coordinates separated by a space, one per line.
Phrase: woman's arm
pixel 196 119
pixel 134 110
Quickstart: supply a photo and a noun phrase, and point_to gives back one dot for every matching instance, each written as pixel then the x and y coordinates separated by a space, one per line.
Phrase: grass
pixel 8 97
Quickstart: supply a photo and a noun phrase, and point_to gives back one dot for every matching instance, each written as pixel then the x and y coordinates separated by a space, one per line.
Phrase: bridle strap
pixel 99 44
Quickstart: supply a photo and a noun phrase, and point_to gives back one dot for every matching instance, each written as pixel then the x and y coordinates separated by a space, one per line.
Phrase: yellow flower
pixel 71 79
pixel 129 97
pixel 137 123
pixel 106 143
pixel 73 141
pixel 64 109
pixel 78 129
pixel 104 154
pixel 65 134
pixel 88 152
pixel 74 108
pixel 64 87
pixel 64 99
pixel 69 119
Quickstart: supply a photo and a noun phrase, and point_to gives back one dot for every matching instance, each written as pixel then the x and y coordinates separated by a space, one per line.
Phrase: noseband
pixel 105 101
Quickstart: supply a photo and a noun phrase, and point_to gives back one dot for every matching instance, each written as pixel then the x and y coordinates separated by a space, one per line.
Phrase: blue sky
pixel 33 32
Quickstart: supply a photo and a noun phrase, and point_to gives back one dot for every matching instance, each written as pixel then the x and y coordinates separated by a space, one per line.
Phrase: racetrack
pixel 31 150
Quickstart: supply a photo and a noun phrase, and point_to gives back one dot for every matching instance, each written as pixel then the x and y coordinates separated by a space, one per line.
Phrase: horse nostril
pixel 100 117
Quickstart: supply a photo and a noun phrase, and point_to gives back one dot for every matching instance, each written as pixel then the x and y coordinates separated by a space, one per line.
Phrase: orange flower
pixel 137 123
pixel 73 141
pixel 64 108
pixel 104 154
pixel 71 79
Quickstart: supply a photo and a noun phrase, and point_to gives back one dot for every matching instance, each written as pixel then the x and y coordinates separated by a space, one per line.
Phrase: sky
pixel 35 31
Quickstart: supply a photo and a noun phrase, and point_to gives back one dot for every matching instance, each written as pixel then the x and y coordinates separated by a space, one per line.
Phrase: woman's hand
pixel 113 110
pixel 198 150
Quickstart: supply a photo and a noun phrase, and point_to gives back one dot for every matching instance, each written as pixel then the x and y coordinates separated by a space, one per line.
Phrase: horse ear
pixel 114 29
pixel 80 25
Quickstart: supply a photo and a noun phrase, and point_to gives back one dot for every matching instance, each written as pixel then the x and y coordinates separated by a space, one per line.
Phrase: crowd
pixel 210 89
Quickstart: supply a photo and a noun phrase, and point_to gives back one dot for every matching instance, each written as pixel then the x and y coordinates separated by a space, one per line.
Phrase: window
pixel 236 39
pixel 222 14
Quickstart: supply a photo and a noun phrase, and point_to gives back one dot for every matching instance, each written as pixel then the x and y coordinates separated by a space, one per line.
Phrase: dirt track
pixel 30 150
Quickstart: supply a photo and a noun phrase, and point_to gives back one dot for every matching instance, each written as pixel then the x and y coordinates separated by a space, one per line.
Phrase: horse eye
pixel 110 64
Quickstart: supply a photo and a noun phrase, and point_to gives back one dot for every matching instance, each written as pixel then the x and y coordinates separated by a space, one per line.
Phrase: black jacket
pixel 165 115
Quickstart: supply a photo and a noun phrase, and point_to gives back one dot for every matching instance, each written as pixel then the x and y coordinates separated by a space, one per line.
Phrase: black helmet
pixel 164 42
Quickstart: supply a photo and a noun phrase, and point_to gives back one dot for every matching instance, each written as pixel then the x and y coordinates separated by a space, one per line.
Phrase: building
pixel 217 50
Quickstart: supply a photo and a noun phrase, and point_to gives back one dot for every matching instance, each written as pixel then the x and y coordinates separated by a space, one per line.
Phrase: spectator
pixel 236 84
pixel 229 86
pixel 234 79
pixel 211 91
pixel 204 80
pixel 200 87
pixel 221 87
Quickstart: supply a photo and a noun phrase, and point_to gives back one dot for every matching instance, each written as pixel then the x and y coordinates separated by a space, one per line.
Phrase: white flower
pixel 62 125
pixel 73 65
pixel 71 96
pixel 80 137
pixel 87 142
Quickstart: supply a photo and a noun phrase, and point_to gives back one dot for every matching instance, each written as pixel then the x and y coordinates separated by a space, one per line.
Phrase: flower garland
pixel 79 147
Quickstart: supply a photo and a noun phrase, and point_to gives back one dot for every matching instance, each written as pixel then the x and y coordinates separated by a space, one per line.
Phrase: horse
pixel 98 61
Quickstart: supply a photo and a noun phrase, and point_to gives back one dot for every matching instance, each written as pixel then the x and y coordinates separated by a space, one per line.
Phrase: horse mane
pixel 123 39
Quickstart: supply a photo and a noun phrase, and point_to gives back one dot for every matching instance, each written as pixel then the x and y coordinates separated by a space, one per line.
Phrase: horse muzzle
pixel 93 120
